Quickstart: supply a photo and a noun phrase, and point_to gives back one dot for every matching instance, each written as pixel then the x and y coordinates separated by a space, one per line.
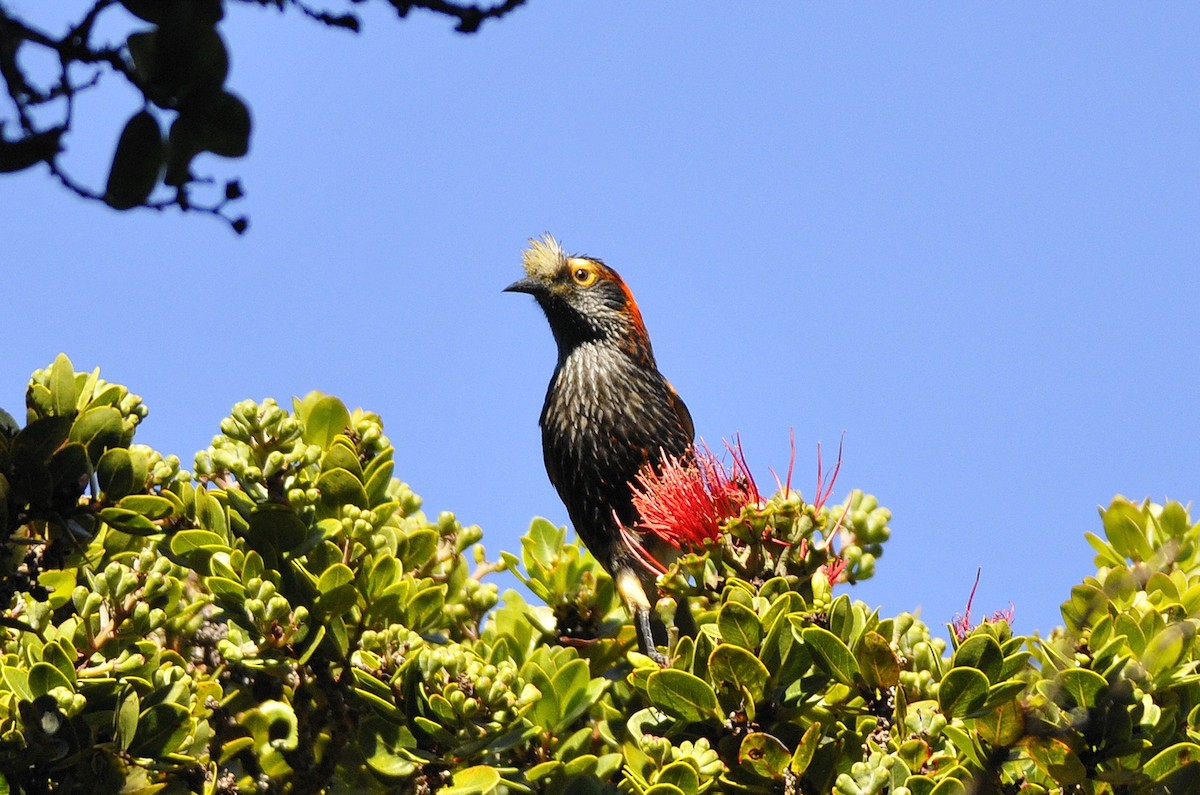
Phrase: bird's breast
pixel 604 409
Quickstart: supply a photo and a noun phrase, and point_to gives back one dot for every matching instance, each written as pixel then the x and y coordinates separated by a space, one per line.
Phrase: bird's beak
pixel 526 285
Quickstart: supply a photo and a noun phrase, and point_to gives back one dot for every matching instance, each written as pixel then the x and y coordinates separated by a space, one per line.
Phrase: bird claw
pixel 646 636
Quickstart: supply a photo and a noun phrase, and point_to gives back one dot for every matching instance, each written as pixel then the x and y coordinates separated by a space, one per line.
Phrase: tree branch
pixel 470 17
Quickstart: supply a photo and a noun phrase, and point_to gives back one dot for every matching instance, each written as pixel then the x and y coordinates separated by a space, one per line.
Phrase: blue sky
pixel 966 235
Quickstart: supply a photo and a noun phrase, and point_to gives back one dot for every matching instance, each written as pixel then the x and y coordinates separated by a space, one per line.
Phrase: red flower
pixel 685 502
pixel 962 621
pixel 834 569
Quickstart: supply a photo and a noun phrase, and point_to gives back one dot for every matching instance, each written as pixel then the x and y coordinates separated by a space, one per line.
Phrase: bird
pixel 608 414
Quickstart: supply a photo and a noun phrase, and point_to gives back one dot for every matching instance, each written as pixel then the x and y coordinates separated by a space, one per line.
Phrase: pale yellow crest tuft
pixel 543 258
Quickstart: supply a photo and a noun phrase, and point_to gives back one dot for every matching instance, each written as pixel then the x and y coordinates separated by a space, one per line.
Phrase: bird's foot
pixel 646 637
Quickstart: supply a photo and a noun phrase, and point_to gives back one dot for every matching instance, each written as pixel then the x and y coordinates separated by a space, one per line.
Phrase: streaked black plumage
pixel 608 411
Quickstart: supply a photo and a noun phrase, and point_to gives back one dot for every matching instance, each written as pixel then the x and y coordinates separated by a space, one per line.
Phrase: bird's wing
pixel 681 411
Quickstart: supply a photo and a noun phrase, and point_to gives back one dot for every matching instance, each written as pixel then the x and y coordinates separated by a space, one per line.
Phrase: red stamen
pixel 823 489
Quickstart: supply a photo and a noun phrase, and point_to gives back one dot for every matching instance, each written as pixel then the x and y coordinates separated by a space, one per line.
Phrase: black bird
pixel 608 413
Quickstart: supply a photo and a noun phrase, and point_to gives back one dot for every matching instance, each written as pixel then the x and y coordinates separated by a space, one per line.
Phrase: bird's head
pixel 584 299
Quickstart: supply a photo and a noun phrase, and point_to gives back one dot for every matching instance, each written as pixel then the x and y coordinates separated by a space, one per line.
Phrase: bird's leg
pixel 634 595
pixel 642 617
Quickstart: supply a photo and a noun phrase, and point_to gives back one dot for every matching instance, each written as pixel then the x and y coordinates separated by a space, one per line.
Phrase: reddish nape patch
pixel 631 307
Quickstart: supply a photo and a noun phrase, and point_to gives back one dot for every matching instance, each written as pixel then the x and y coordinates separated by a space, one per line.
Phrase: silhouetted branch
pixel 179 67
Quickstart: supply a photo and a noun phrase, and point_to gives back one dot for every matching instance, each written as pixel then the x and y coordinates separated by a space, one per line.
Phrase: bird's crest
pixel 544 257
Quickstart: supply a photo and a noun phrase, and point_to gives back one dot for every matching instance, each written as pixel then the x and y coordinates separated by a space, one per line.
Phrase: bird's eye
pixel 584 275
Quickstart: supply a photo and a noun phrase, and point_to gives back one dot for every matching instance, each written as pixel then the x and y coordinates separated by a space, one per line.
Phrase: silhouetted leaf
pixel 137 162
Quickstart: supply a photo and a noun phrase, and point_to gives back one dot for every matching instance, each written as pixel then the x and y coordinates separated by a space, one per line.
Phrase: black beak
pixel 526 285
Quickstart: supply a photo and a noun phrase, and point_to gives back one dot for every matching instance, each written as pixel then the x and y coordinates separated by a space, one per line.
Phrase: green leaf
pixel 1174 520
pixel 60 583
pixel 764 755
pixel 57 656
pixel 682 695
pixel 38 440
pixel 161 728
pixel 125 720
pixel 738 668
pixel 541 545
pixel 17 680
pixel 680 774
pixel 210 513
pixel 99 429
pixel 275 527
pixel 1170 760
pixel 962 692
pixel 336 575
pixel 1003 726
pixel 478 780
pixel 574 691
pixel 1086 605
pixel 1057 760
pixel 417 548
pixel 876 661
pixel 225 588
pixel 920 784
pixel 336 591
pixel 62 386
pixel 425 609
pixel 70 469
pixel 982 652
pixel 336 630
pixel 129 522
pixel 340 487
pixel 378 477
pixel 137 162
pixel 949 786
pixel 1125 526
pixel 1002 692
pixel 341 454
pixel 385 747
pixel 234 747
pixel 326 418
pixel 834 656
pixel 151 506
pixel 1105 554
pixel 114 471
pixel 383 574
pixel 39 401
pixel 44 677
pixel 803 755
pixel 1081 685
pixel 739 625
pixel 1167 649
pixel 186 541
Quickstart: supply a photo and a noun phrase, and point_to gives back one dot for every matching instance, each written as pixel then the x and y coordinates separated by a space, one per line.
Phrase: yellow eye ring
pixel 584 274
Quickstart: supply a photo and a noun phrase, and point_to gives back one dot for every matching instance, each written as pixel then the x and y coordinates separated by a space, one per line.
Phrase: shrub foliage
pixel 286 619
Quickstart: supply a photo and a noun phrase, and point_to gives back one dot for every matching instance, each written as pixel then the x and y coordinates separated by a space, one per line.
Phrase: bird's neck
pixel 633 351
pixel 572 331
